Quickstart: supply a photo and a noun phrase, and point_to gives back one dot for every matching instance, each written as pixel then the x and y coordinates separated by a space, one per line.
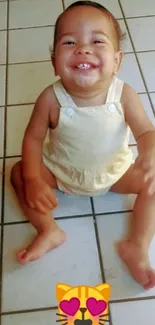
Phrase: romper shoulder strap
pixel 63 97
pixel 115 90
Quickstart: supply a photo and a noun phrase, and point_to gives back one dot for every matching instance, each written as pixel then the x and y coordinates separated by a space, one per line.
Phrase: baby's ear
pixel 61 289
pixel 104 289
pixel 53 63
pixel 118 60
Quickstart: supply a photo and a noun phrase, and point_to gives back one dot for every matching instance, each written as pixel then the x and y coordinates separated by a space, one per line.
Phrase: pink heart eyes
pixel 95 307
pixel 70 307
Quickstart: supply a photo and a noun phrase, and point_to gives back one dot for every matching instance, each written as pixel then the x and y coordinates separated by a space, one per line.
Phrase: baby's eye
pixel 99 42
pixel 69 43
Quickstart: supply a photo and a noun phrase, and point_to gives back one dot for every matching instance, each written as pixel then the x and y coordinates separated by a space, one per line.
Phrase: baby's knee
pixel 15 176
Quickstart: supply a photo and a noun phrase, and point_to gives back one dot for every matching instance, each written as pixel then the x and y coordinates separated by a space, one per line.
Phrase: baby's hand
pixel 146 162
pixel 39 195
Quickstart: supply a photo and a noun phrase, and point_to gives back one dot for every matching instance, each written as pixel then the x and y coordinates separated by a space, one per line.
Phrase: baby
pixel 89 113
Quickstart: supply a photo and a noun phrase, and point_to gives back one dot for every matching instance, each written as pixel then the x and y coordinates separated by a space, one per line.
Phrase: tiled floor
pixel 92 225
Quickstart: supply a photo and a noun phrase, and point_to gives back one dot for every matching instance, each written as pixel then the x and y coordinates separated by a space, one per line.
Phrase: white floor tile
pixel 2 85
pixel 27 81
pixel 37 318
pixel 132 77
pixel 3 15
pixel 153 99
pixel 112 202
pixel 68 205
pixel 111 229
pixel 1 130
pixel 111 5
pixel 148 109
pixel 147 64
pixel 134 151
pixel 41 13
pixel 134 8
pixel 27 45
pixel 75 262
pixel 72 205
pixel 126 43
pixel 140 29
pixel 17 120
pixel 2 47
pixel 127 313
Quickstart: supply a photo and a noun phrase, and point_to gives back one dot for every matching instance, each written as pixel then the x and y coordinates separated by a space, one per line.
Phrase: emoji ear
pixel 61 289
pixel 104 288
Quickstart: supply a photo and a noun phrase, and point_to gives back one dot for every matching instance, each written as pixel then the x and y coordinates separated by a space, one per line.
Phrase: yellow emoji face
pixel 83 305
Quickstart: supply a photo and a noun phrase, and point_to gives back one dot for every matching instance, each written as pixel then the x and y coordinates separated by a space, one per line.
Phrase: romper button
pixel 70 111
pixel 112 108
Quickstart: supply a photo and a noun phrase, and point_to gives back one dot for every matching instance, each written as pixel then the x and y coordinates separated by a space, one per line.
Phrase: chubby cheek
pixel 62 60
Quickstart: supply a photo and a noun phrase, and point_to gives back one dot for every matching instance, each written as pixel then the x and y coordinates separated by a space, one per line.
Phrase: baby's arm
pixel 136 117
pixel 143 131
pixel 34 136
pixel 38 193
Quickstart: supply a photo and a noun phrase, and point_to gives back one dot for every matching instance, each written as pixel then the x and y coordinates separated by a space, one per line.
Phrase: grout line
pixel 29 62
pixel 137 17
pixel 25 311
pixel 19 156
pixel 123 300
pixel 32 103
pixel 98 243
pixel 22 104
pixel 135 53
pixel 9 157
pixel 31 27
pixel 4 152
pixel 44 309
pixel 48 60
pixel 63 4
pixel 99 253
pixel 78 216
pixel 52 25
pixel 58 218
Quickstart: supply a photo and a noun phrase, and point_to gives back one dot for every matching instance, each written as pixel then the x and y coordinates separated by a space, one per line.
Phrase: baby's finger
pixel 52 198
pixel 151 189
pixel 46 203
pixel 148 176
pixel 31 204
pixel 40 207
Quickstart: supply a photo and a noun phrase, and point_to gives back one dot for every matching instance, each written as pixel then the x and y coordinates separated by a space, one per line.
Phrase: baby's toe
pixel 22 256
pixel 151 279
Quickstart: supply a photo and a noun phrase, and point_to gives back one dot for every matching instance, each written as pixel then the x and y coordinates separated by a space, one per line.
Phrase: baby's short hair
pixel 116 27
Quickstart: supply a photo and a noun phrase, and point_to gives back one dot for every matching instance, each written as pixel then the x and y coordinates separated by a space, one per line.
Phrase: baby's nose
pixel 84 50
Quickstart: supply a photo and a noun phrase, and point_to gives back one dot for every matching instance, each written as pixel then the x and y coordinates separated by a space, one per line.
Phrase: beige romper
pixel 88 150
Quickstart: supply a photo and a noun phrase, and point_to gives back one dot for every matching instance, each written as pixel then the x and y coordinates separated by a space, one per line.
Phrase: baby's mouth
pixel 85 66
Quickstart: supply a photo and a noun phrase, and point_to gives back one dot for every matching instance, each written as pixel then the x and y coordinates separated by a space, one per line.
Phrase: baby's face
pixel 85 52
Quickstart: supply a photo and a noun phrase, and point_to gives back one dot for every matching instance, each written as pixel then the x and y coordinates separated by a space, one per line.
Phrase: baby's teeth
pixel 84 66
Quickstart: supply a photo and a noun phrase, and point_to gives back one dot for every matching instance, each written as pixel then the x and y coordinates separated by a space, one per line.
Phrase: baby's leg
pixel 49 234
pixel 134 250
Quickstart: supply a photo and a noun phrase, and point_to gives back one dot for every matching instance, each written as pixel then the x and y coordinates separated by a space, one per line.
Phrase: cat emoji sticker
pixel 83 305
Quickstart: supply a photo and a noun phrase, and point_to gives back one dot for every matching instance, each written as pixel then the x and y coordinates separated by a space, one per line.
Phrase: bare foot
pixel 138 263
pixel 44 242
